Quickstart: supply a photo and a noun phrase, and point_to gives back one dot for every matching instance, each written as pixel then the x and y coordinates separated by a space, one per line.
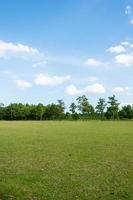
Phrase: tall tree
pixel 113 108
pixel 72 108
pixel 40 111
pixel 83 104
pixel 1 111
pixel 100 108
pixel 84 107
pixel 61 105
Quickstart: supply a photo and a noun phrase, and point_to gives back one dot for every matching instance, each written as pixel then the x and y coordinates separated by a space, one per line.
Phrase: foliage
pixel 113 108
pixel 100 108
pixel 110 110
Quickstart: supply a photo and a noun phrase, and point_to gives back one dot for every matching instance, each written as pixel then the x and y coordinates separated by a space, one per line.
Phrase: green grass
pixel 66 160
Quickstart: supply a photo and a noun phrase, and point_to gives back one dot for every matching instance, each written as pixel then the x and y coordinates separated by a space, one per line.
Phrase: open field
pixel 66 160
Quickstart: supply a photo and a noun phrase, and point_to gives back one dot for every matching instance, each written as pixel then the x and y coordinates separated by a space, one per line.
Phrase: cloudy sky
pixel 59 49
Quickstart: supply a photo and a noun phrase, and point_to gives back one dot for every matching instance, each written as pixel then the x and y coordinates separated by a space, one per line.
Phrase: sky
pixel 61 49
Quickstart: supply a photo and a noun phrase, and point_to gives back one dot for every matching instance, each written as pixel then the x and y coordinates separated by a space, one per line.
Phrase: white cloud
pixel 116 49
pixel 91 89
pixel 9 48
pixel 128 10
pixel 131 21
pixel 46 80
pixel 95 89
pixel 124 59
pixel 131 45
pixel 125 43
pixel 94 62
pixel 72 90
pixel 23 84
pixel 121 89
pixel 39 64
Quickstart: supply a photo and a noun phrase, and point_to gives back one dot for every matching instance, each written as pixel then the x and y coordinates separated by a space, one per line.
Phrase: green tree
pixel 100 108
pixel 1 111
pixel 61 109
pixel 113 108
pixel 14 111
pixel 83 104
pixel 40 111
pixel 72 108
pixel 52 112
pixel 84 107
pixel 61 105
pixel 126 112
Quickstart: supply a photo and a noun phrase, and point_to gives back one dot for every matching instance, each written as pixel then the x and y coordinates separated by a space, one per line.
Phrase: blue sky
pixel 60 49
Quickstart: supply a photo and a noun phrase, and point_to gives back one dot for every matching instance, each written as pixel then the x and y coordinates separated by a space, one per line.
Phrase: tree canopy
pixel 80 109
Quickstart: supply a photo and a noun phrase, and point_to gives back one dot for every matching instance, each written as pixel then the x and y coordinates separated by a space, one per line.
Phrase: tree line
pixel 82 109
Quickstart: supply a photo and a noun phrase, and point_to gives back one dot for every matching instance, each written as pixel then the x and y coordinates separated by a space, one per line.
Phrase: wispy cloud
pixel 92 62
pixel 73 90
pixel 96 88
pixel 46 80
pixel 121 89
pixel 6 47
pixel 23 84
pixel 39 64
pixel 124 53
pixel 128 11
pixel 125 43
pixel 117 49
pixel 12 50
pixel 124 59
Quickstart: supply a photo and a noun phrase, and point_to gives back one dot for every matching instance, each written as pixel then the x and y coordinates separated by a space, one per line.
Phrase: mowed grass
pixel 66 160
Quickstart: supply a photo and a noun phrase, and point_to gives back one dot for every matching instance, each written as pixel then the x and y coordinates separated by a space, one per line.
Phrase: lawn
pixel 66 160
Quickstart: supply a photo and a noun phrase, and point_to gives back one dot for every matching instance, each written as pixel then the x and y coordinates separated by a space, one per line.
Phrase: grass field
pixel 66 160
